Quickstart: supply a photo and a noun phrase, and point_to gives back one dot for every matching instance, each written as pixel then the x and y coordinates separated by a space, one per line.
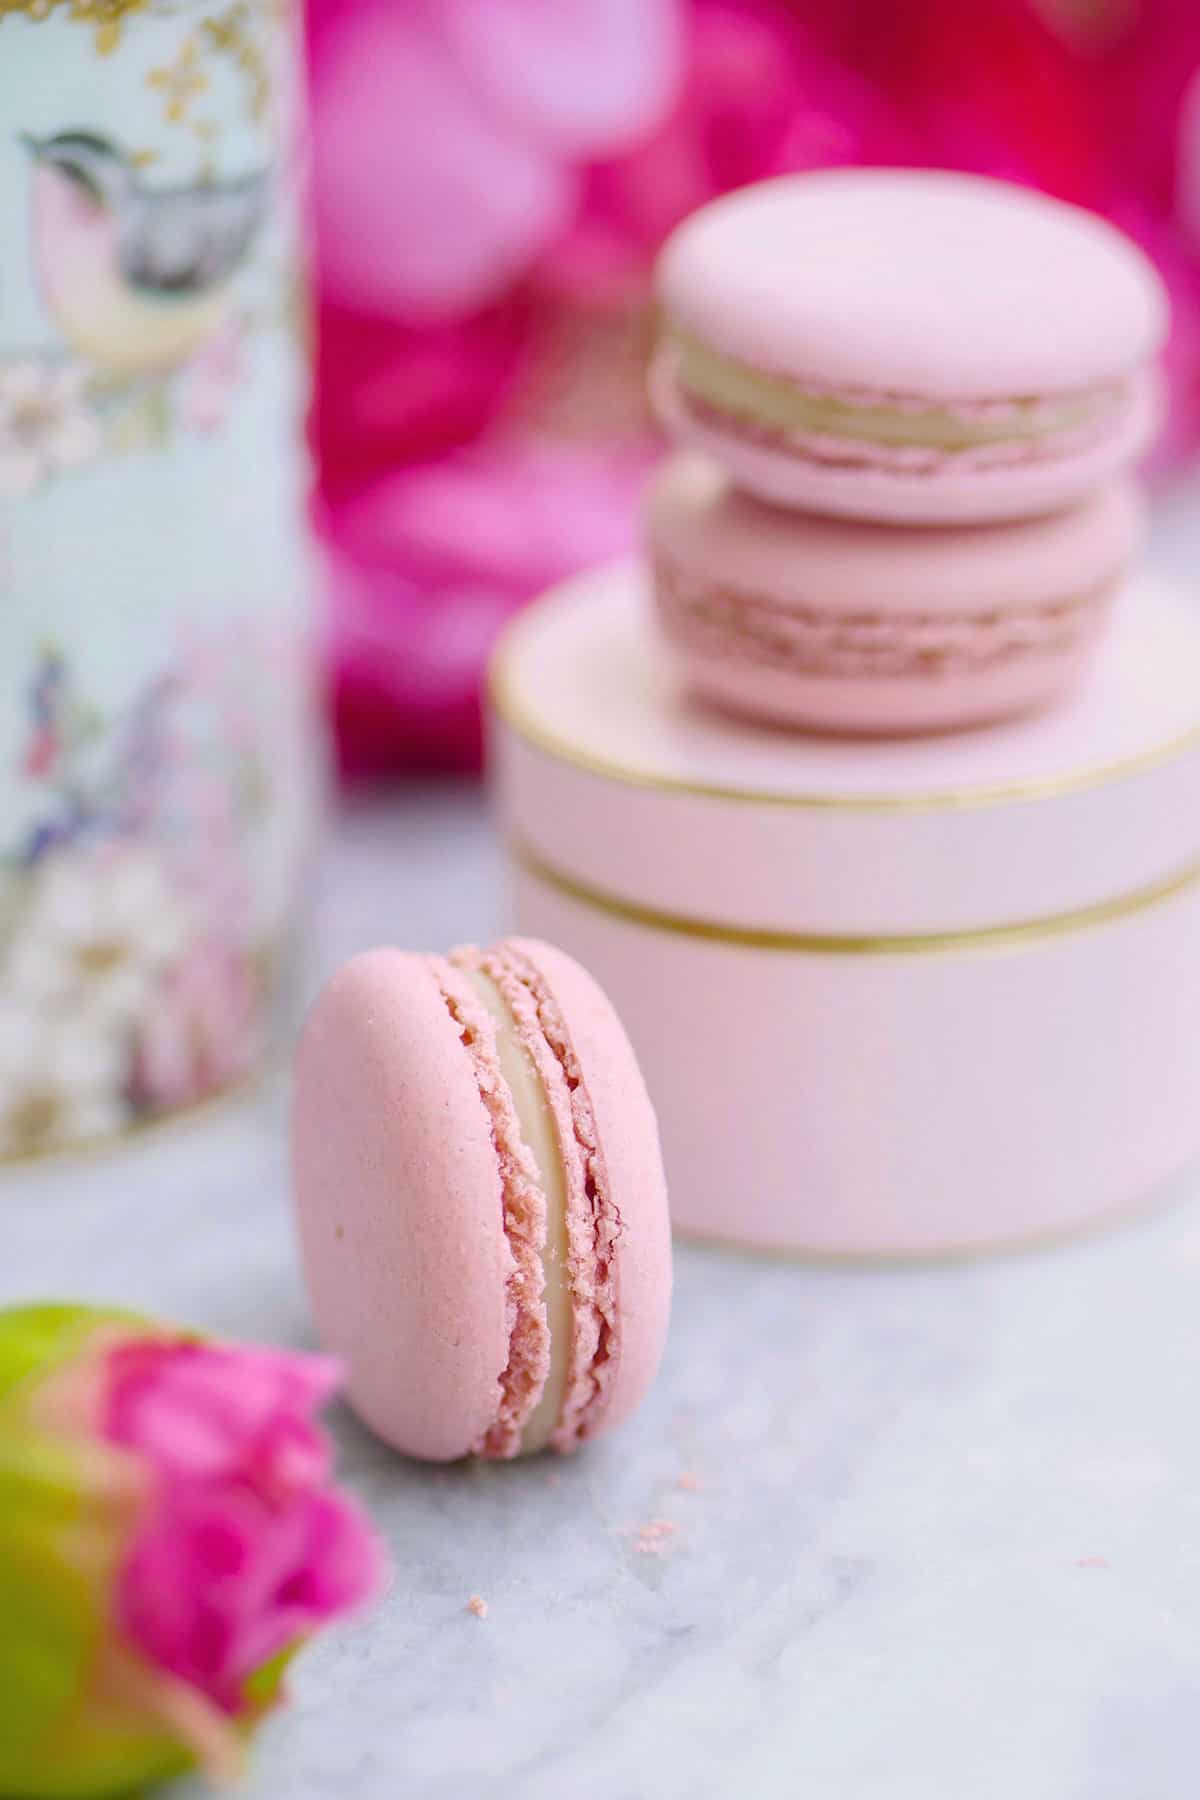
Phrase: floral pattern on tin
pixel 132 977
pixel 146 876
pixel 48 423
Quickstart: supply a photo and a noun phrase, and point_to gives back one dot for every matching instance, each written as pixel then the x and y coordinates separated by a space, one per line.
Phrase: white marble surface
pixel 945 1543
pixel 945 1546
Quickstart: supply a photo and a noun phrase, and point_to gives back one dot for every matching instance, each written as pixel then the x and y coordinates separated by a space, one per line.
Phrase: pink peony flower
pixel 245 1550
pixel 203 1031
pixel 170 1534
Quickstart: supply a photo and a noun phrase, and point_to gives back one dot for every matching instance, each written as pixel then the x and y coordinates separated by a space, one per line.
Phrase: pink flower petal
pixel 426 567
pixel 245 1548
pixel 760 98
pixel 510 513
pixel 1187 179
pixel 586 78
pixel 390 394
pixel 204 1411
pixel 425 203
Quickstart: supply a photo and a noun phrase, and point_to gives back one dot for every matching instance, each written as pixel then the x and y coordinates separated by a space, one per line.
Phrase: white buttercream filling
pixel 774 403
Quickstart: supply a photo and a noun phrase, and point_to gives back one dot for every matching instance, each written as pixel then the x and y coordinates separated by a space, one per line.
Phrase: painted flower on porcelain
pixel 134 966
pixel 101 925
pixel 212 377
pixel 46 423
pixel 204 1029
pixel 60 1083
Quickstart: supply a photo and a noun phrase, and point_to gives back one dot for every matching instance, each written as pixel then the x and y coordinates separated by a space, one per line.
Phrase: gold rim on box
pixel 809 943
pixel 519 720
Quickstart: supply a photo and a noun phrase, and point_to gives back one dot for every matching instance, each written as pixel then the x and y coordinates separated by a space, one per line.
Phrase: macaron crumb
pixel 650 1539
pixel 688 1481
pixel 1093 1562
pixel 478 1605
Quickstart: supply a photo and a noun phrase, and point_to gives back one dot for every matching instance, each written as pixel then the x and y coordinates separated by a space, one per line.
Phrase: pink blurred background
pixel 491 183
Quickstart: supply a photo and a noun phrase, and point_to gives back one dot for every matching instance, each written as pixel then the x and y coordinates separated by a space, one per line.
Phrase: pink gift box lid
pixel 612 783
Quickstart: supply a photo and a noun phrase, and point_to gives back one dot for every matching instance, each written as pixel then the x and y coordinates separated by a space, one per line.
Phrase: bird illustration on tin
pixel 136 277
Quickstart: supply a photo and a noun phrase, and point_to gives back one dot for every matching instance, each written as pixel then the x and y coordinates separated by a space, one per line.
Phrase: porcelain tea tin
pixel 156 729
pixel 921 996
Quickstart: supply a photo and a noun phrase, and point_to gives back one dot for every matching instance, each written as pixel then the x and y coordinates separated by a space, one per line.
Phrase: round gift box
pixel 905 997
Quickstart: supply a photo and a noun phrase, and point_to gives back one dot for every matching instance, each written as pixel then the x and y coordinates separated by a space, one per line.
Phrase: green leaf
pixel 51 1616
pixel 64 1521
pixel 36 1339
pixel 262 1689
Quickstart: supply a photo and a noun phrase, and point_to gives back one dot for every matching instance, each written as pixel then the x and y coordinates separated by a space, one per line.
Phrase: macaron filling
pixel 591 1220
pixel 524 1377
pixel 835 425
pixel 560 1225
pixel 535 1123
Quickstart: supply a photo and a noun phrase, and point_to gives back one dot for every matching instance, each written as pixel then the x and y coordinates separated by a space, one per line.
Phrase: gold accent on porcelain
pixel 517 718
pixel 815 943
pixel 181 82
pixel 107 16
pixel 231 34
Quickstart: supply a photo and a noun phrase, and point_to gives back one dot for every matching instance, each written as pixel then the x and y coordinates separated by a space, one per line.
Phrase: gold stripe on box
pixel 808 943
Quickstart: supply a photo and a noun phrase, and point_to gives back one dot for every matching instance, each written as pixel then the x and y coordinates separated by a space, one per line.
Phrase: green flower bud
pixel 145 1475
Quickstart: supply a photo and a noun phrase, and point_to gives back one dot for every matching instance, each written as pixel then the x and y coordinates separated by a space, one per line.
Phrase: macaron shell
pixel 951 492
pixel 627 1135
pixel 718 537
pixel 914 282
pixel 400 1207
pixel 897 706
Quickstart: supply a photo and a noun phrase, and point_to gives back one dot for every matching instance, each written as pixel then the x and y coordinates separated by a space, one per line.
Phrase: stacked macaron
pixel 910 401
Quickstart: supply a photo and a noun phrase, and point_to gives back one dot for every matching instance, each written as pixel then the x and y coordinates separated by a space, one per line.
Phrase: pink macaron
pixel 836 625
pixel 481 1201
pixel 910 346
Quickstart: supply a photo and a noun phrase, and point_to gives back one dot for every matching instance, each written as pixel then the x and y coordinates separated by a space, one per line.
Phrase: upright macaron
pixel 480 1197
pixel 908 345
pixel 836 625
